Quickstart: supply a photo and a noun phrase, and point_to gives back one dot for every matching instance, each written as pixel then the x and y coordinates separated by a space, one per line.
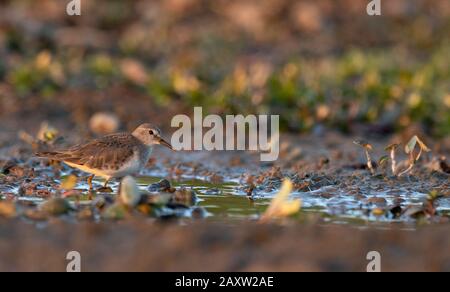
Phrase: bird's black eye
pixel 151 132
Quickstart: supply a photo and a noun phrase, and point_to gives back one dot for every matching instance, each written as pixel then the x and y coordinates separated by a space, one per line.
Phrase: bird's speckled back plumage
pixel 109 152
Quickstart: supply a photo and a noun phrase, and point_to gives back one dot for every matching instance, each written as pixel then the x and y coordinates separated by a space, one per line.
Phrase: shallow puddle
pixel 221 201
pixel 227 202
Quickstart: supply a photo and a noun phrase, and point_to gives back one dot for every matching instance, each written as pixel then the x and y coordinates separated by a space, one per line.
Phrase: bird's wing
pixel 109 151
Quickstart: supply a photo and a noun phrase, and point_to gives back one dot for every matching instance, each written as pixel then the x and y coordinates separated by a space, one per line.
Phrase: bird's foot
pixel 105 190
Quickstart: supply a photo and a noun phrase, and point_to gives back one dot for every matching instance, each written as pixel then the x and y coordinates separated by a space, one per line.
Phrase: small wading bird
pixel 112 156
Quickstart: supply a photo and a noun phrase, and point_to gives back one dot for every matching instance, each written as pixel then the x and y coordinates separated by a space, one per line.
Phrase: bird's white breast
pixel 133 165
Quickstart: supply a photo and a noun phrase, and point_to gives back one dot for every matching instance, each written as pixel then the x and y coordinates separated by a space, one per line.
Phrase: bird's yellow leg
pixel 89 180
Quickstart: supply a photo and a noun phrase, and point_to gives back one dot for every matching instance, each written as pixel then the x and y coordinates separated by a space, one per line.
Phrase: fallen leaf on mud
pixel 144 209
pixel 8 209
pixel 378 212
pixel 409 148
pixel 280 206
pixel 69 182
pixel 47 133
pixel 43 60
pixel 412 144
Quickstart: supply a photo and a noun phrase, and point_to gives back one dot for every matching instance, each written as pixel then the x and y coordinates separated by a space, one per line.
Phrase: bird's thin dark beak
pixel 165 143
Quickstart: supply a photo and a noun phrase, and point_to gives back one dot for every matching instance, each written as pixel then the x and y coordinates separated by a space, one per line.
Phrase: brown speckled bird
pixel 112 156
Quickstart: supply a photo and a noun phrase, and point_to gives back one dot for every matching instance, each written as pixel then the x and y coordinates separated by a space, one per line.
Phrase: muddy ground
pixel 145 246
pixel 341 205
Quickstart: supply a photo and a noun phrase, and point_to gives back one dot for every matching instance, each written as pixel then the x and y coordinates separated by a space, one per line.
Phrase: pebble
pixel 161 186
pixel 184 196
pixel 55 206
pixel 379 202
pixel 129 193
pixel 115 212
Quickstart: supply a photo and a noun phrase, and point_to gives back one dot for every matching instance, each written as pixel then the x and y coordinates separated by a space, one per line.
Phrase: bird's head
pixel 150 135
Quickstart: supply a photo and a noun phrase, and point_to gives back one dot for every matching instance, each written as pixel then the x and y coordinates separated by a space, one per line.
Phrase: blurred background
pixel 318 64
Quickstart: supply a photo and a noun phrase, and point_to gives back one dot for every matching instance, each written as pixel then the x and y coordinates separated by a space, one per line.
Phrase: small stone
pixel 379 202
pixel 161 186
pixel 85 214
pixel 115 212
pixel 158 200
pixel 129 192
pixel 184 196
pixel 396 211
pixel 415 212
pixel 55 206
pixel 99 202
pixel 198 213
pixel 213 192
pixel 102 201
